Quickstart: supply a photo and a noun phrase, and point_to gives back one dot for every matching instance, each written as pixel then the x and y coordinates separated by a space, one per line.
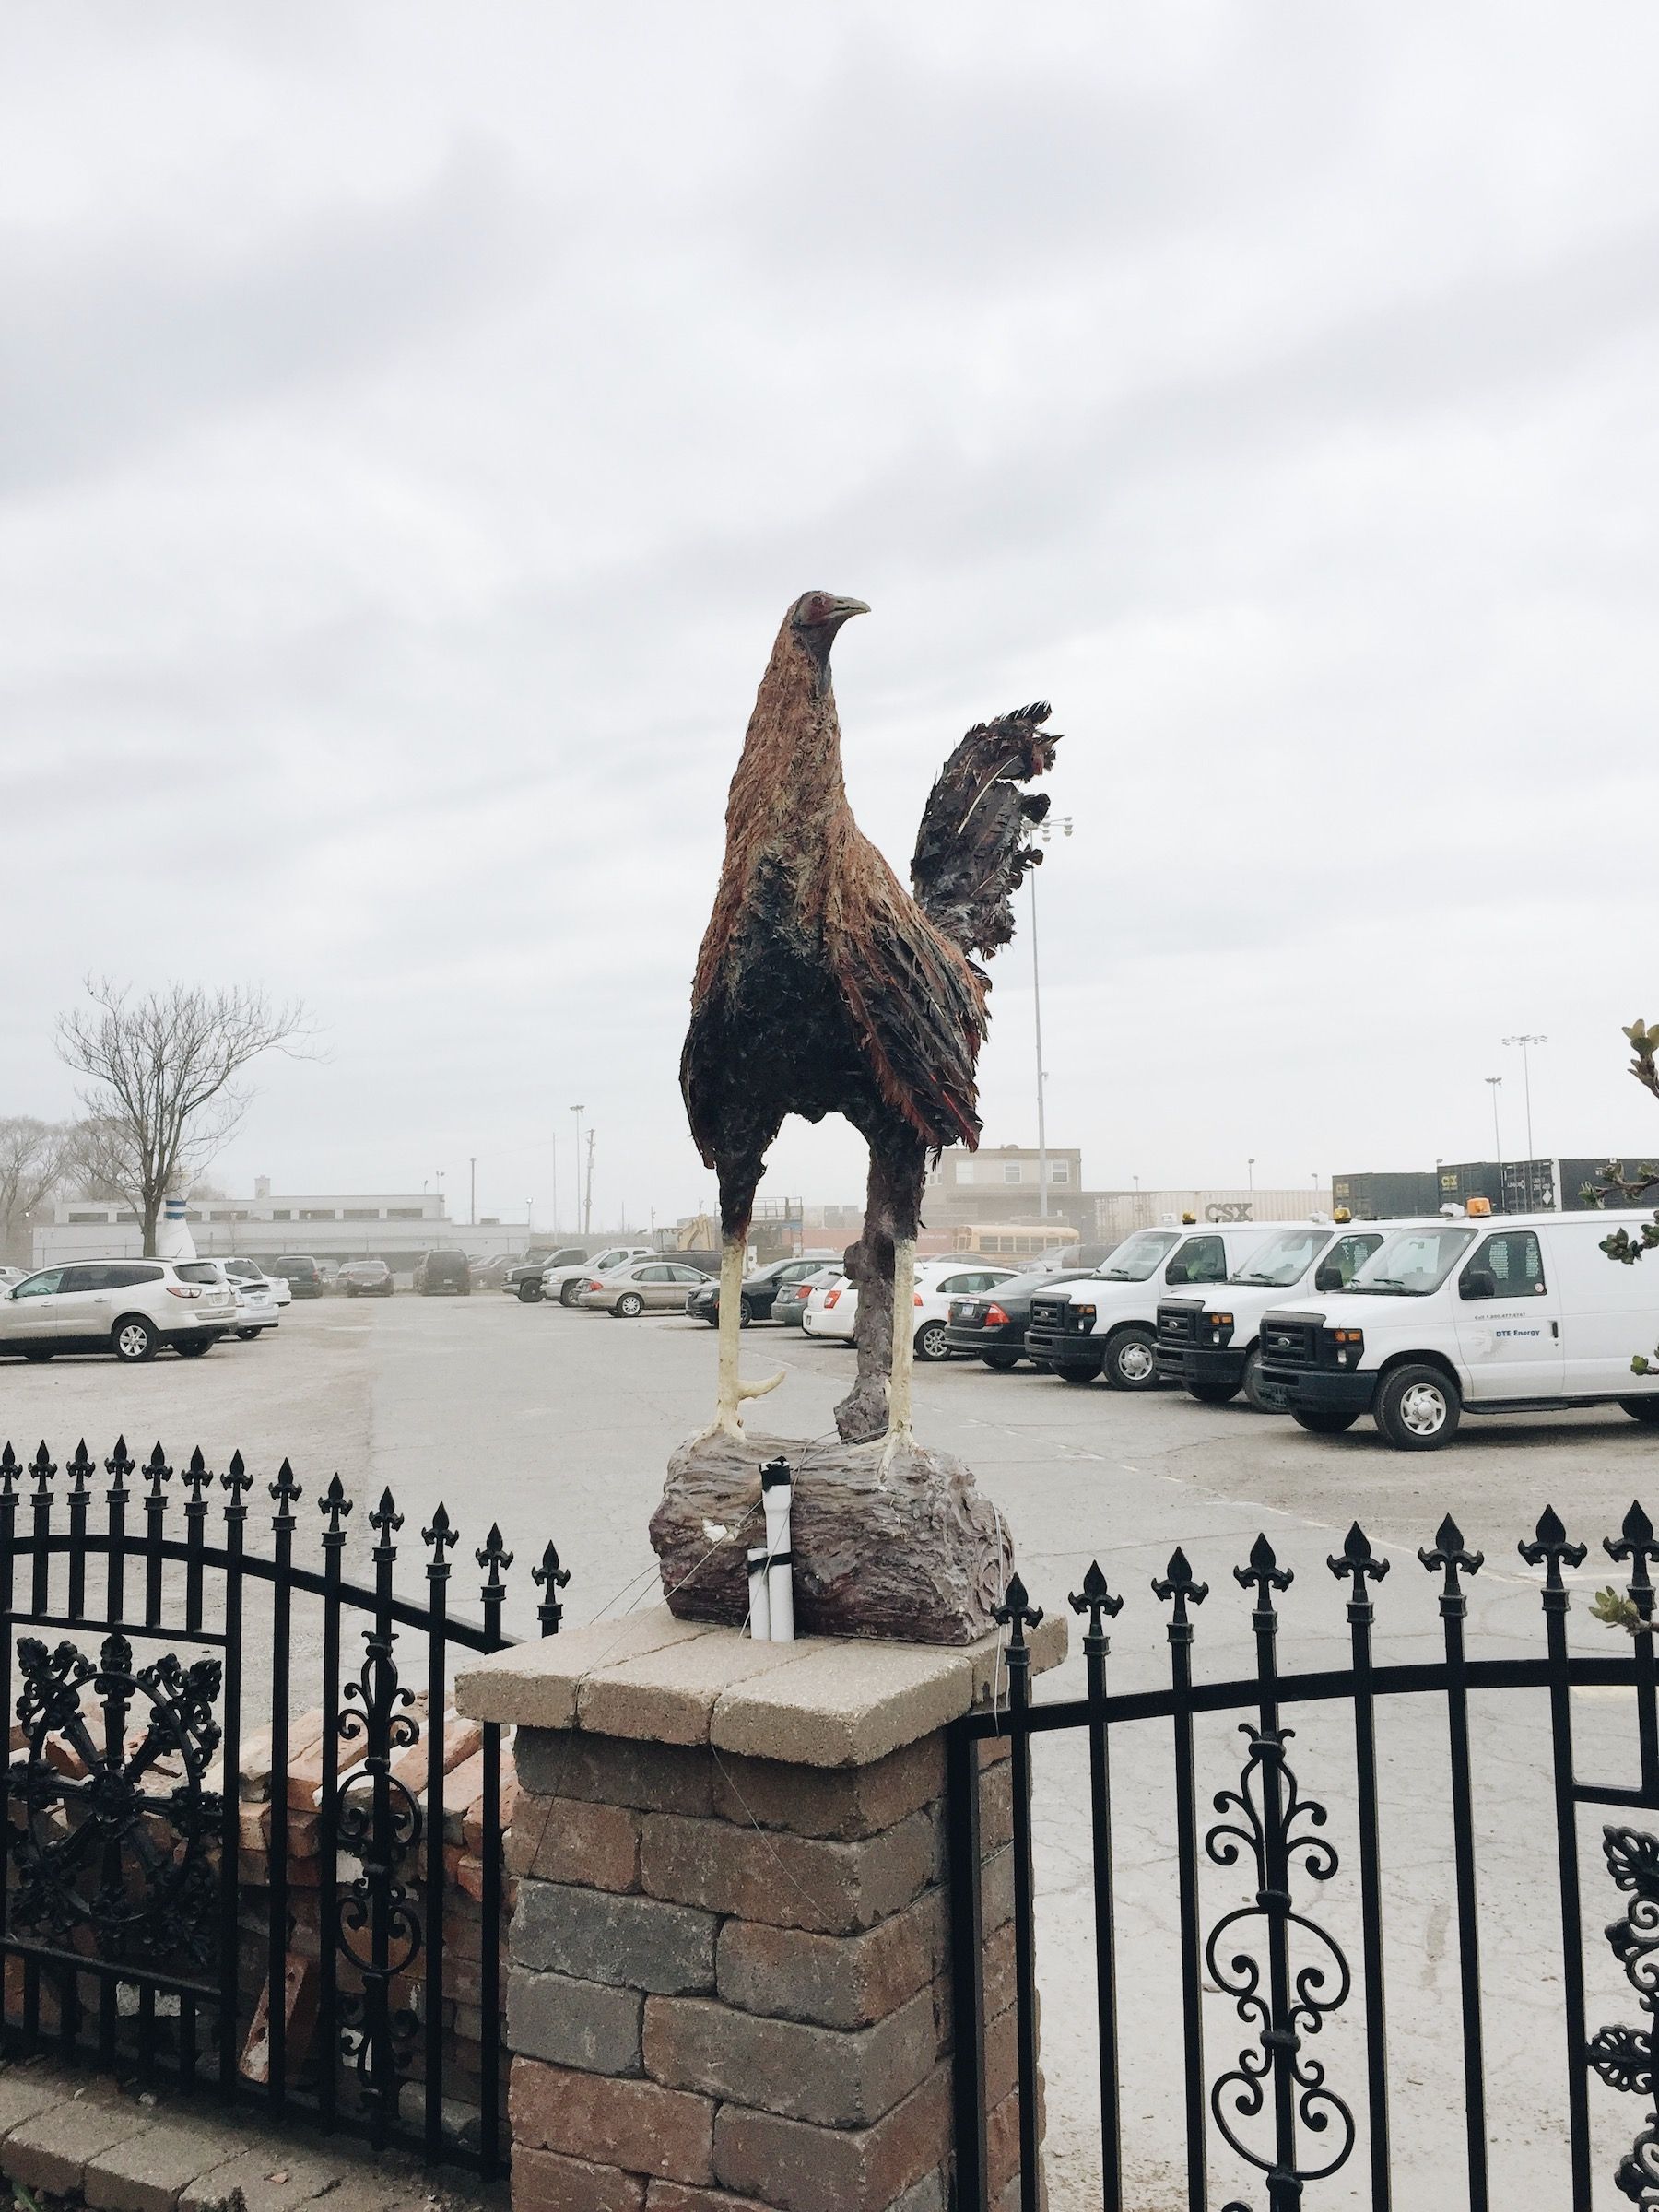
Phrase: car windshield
pixel 1134 1260
pixel 1412 1261
pixel 1285 1259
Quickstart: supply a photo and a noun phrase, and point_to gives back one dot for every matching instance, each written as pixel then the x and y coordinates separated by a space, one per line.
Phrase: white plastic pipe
pixel 777 1494
pixel 760 1596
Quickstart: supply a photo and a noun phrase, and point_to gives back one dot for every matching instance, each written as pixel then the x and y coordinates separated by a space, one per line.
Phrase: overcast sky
pixel 416 420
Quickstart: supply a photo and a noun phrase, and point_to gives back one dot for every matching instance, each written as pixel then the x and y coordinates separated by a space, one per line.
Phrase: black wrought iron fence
pixel 1274 2105
pixel 151 1911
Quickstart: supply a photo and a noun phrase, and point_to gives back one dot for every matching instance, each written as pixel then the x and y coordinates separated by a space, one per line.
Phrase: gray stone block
pixel 24 2092
pixel 589 2025
pixel 149 2172
pixel 631 1942
pixel 267 2180
pixel 608 1770
pixel 51 2151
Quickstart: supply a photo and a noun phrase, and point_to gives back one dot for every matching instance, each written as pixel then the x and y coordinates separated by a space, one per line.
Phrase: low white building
pixel 396 1227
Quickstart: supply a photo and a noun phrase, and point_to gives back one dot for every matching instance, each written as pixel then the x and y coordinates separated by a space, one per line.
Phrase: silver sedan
pixel 642 1287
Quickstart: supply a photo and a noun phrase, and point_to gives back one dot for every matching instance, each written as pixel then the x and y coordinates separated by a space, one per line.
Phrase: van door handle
pixel 1555 1329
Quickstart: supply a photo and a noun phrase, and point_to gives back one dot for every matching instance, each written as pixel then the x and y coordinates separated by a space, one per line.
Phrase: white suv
pixel 129 1307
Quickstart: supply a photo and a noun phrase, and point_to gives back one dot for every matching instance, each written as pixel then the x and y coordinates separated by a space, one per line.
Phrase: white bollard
pixel 777 1494
pixel 759 1599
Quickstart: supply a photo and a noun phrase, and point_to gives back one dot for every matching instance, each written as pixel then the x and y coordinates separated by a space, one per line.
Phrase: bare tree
pixel 161 1092
pixel 31 1164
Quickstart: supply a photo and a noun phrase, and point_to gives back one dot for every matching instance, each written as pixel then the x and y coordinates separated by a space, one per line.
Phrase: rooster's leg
pixel 898 1434
pixel 732 1390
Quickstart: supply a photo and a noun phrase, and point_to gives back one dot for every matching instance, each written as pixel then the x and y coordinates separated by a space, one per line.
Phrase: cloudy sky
pixel 416 419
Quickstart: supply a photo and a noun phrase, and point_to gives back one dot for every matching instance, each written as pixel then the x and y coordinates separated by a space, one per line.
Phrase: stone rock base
pixel 913 1552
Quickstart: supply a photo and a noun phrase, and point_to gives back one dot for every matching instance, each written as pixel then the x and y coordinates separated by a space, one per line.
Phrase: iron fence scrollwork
pixel 135 1865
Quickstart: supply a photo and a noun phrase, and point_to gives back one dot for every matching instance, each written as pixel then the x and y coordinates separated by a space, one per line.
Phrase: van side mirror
pixel 1176 1272
pixel 1479 1283
pixel 1328 1276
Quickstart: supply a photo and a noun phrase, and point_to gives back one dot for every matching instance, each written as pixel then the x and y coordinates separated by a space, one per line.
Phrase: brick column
pixel 730 1985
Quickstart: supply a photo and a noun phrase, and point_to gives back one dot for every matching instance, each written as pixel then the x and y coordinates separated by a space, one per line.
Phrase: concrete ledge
pixel 824 1701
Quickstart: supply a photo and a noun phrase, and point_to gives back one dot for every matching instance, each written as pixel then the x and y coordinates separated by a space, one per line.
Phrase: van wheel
pixel 1132 1361
pixel 1417 1408
pixel 931 1342
pixel 1260 1396
pixel 1000 1362
pixel 1212 1394
pixel 246 1336
pixel 133 1340
pixel 1069 1371
pixel 569 1293
pixel 629 1304
pixel 1323 1421
pixel 530 1293
pixel 1645 1410
pixel 192 1347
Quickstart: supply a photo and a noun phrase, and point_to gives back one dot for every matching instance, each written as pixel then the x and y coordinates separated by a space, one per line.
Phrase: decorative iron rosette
pixel 118 1835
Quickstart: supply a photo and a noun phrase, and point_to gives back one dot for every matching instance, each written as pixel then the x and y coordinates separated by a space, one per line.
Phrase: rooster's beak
pixel 847 607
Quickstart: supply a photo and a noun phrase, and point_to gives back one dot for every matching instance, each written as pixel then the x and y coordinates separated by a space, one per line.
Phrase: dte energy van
pixel 1213 1346
pixel 1106 1322
pixel 1507 1314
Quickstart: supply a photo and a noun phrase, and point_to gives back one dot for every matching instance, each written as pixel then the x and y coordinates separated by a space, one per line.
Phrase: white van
pixel 1213 1344
pixel 1511 1314
pixel 1106 1322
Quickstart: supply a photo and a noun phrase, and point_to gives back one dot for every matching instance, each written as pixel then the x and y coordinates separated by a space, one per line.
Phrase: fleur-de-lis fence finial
pixel 1452 1558
pixel 1177 1586
pixel 549 1578
pixel 1357 1564
pixel 1636 1544
pixel 1551 1549
pixel 1098 1602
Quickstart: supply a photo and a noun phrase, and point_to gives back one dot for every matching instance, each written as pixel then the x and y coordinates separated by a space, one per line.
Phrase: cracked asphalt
pixel 558 1424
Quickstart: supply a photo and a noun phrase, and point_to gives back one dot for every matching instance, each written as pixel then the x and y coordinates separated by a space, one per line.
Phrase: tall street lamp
pixel 579 1111
pixel 1045 833
pixel 1495 1084
pixel 1527 1040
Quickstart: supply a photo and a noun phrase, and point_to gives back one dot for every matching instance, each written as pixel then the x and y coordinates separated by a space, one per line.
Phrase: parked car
pixel 832 1313
pixel 364 1279
pixel 789 1309
pixel 302 1274
pixel 567 1280
pixel 994 1328
pixel 1213 1346
pixel 241 1270
pixel 1107 1323
pixel 523 1279
pixel 654 1285
pixel 131 1308
pixel 1519 1315
pixel 255 1304
pixel 11 1275
pixel 443 1274
pixel 760 1288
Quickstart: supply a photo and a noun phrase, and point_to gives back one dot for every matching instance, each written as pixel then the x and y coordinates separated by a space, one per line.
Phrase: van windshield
pixel 1413 1262
pixel 1134 1260
pixel 1285 1260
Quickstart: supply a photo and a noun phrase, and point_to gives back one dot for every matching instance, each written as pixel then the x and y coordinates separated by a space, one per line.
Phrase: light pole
pixel 1045 833
pixel 1527 1040
pixel 579 1111
pixel 472 1190
pixel 1495 1084
pixel 1251 1169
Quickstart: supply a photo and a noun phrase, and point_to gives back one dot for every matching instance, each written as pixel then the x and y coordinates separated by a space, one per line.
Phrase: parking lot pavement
pixel 560 1424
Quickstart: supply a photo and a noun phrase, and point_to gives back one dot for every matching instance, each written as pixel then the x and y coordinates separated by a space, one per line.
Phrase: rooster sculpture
pixel 824 987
